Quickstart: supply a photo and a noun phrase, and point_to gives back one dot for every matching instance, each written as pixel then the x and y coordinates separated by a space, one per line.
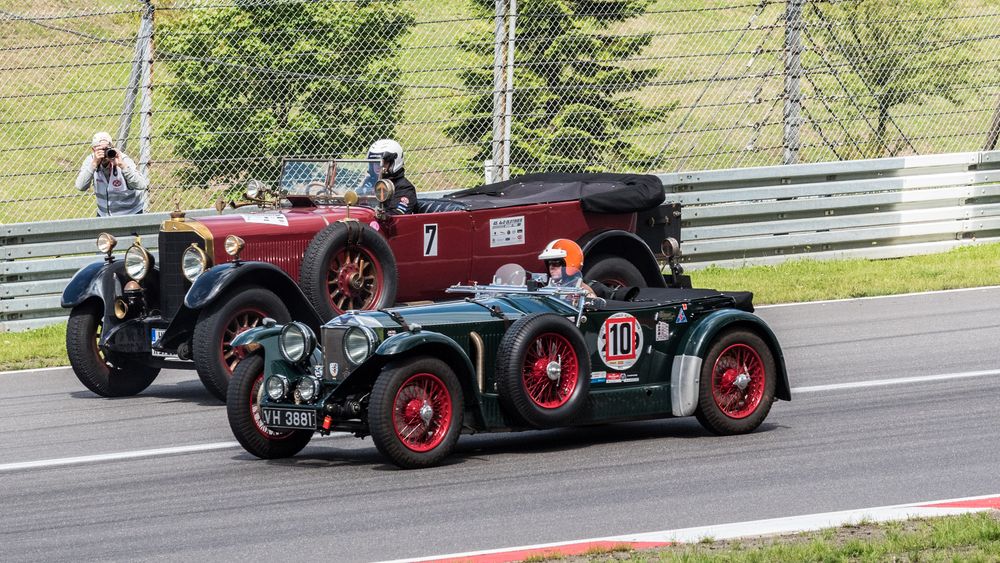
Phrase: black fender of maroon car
pixel 626 245
pixel 218 280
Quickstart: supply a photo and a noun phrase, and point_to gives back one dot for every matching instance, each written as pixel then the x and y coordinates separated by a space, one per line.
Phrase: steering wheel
pixel 317 188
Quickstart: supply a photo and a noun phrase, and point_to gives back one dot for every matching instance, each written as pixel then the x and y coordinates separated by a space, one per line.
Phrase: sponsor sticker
pixel 619 341
pixel 598 377
pixel 681 317
pixel 630 378
pixel 662 331
pixel 506 231
pixel 267 219
pixel 615 378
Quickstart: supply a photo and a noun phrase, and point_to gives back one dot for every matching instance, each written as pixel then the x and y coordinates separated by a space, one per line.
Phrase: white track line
pixel 771 526
pixel 893 296
pixel 894 381
pixel 116 456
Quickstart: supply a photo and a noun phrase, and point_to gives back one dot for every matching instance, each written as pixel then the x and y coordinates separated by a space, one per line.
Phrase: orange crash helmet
pixel 567 251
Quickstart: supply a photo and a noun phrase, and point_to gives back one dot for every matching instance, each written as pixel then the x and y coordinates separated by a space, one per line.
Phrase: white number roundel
pixel 619 342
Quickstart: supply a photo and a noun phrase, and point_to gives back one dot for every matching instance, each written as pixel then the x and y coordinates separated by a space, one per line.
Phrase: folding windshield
pixel 328 178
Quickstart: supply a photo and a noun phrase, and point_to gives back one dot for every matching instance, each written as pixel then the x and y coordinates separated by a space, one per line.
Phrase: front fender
pixel 685 374
pixel 99 279
pixel 217 280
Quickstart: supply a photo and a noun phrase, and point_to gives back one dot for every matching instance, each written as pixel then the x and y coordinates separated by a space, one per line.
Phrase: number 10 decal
pixel 430 239
pixel 619 342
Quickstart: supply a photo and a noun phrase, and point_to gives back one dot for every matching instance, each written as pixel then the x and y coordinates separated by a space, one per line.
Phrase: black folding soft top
pixel 598 193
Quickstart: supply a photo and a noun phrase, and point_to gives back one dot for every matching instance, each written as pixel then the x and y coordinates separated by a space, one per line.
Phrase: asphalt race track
pixel 840 444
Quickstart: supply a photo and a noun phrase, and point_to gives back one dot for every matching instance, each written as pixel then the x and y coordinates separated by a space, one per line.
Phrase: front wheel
pixel 220 322
pixel 102 373
pixel 415 413
pixel 243 410
pixel 738 378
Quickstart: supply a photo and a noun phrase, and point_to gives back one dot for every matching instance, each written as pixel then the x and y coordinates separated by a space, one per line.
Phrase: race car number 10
pixel 619 342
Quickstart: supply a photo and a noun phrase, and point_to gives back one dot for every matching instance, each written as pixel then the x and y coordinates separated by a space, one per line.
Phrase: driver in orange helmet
pixel 563 259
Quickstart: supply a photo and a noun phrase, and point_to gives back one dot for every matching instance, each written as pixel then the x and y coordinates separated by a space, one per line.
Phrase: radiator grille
pixel 173 284
pixel 333 353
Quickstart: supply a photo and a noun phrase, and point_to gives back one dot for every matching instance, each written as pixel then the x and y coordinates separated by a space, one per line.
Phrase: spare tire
pixel 613 271
pixel 543 370
pixel 348 266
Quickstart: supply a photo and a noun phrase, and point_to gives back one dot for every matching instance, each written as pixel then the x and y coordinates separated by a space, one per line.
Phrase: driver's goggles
pixel 555 263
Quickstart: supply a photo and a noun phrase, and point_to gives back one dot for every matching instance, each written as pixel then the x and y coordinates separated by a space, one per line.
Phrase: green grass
pixel 968 537
pixel 800 280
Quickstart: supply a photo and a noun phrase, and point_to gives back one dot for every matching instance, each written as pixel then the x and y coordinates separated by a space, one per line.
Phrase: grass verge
pixel 794 281
pixel 967 537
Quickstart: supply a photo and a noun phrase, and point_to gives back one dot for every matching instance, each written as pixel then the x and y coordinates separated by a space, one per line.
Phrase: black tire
pixel 346 266
pixel 230 314
pixel 723 407
pixel 532 394
pixel 106 375
pixel 398 428
pixel 244 418
pixel 614 272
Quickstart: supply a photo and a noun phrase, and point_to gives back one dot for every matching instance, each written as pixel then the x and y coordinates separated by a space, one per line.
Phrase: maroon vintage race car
pixel 218 276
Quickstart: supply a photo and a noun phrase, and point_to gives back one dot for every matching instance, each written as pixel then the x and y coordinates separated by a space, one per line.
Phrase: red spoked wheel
pixel 551 371
pixel 738 379
pixel 245 420
pixel 346 266
pixel 354 279
pixel 415 411
pixel 237 310
pixel 421 413
pixel 543 370
pixel 241 321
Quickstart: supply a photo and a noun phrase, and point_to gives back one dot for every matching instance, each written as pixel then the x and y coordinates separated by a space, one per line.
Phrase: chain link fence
pixel 206 94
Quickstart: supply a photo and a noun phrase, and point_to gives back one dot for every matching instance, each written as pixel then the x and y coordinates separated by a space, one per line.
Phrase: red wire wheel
pixel 415 411
pixel 346 266
pixel 354 280
pixel 551 371
pixel 738 381
pixel 543 371
pixel 421 413
pixel 245 420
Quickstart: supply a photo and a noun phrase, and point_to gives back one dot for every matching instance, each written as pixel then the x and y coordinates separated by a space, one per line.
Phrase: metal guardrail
pixel 872 209
pixel 881 208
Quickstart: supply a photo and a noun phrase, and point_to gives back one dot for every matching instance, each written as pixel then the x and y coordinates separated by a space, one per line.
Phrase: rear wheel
pixel 615 272
pixel 103 373
pixel 243 410
pixel 415 413
pixel 239 310
pixel 738 378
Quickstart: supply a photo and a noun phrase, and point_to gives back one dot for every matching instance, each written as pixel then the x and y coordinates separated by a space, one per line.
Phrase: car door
pixel 432 252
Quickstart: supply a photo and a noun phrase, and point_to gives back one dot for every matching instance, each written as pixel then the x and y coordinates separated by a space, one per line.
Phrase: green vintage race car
pixel 511 355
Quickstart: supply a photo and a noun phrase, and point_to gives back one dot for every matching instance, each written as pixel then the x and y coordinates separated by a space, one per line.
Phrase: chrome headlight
pixel 137 262
pixel 277 387
pixel 307 388
pixel 193 262
pixel 106 243
pixel 296 342
pixel 358 343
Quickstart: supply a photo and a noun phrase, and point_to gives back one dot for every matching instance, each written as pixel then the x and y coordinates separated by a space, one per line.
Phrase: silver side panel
pixel 684 380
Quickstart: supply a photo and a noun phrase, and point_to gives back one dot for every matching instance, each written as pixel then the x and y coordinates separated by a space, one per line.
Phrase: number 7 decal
pixel 430 239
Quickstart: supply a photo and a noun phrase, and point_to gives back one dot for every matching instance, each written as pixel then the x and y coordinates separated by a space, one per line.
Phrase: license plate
pixel 155 335
pixel 289 418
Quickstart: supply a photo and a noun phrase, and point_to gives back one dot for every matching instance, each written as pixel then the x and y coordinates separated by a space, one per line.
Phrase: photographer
pixel 118 185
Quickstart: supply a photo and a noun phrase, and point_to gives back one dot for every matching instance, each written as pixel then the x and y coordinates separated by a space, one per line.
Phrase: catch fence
pixel 206 94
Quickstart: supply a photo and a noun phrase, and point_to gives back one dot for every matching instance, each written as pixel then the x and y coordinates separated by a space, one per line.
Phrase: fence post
pixel 793 85
pixel 503 70
pixel 125 121
pixel 146 106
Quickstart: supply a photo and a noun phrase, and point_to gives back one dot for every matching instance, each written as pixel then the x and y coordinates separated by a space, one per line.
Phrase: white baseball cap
pixel 101 136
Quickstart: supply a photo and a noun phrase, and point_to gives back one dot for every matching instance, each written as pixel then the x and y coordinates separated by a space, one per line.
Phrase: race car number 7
pixel 430 239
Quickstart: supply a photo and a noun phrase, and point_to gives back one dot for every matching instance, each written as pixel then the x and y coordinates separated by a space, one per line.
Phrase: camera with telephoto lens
pixel 110 153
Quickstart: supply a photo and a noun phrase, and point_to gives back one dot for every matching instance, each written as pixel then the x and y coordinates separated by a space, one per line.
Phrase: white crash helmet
pixel 388 149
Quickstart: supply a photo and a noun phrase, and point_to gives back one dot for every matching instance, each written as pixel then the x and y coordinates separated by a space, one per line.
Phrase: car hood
pixel 449 313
